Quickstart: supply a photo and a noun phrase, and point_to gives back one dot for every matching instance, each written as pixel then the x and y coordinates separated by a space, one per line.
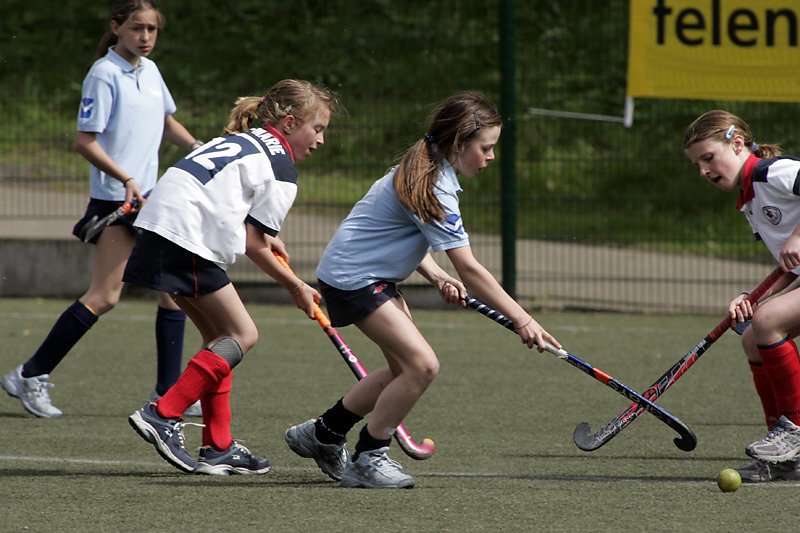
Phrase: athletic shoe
pixel 331 458
pixel 374 470
pixel 782 443
pixel 194 410
pixel 32 392
pixel 758 471
pixel 166 434
pixel 235 460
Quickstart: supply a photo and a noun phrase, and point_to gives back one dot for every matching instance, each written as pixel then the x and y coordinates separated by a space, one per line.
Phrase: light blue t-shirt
pixel 381 239
pixel 126 107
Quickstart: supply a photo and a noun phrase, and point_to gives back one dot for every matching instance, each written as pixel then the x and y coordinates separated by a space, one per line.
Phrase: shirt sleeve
pixel 97 101
pixel 448 233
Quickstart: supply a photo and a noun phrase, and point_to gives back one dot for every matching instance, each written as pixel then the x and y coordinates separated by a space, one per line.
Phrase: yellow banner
pixel 715 49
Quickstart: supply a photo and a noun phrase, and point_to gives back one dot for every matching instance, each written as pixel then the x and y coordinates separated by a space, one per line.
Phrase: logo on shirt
pixel 773 214
pixel 87 106
pixel 452 223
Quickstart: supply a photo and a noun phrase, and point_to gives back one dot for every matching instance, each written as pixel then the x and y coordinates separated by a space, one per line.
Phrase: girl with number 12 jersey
pixel 227 198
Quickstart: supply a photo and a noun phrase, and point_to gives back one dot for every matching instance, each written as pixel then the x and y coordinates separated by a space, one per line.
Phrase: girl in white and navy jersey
pixel 386 237
pixel 226 198
pixel 721 145
pixel 125 110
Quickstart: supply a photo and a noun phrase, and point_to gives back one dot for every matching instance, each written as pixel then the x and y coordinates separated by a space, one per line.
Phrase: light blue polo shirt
pixel 126 107
pixel 381 239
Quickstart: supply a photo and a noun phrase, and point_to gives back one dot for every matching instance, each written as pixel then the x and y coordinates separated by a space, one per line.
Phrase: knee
pixel 426 368
pixel 100 305
pixel 229 349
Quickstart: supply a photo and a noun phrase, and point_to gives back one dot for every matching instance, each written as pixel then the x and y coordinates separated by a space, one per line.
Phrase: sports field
pixel 502 418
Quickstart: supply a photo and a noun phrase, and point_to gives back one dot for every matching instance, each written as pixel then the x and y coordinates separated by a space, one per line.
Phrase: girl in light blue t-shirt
pixel 125 110
pixel 389 234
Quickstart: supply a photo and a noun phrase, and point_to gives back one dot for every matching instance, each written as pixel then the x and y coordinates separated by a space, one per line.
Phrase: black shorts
pixel 101 208
pixel 160 264
pixel 348 307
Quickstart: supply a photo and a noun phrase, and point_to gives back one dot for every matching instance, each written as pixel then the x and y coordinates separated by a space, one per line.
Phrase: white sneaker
pixel 782 443
pixel 374 470
pixel 193 410
pixel 32 392
pixel 331 458
pixel 759 471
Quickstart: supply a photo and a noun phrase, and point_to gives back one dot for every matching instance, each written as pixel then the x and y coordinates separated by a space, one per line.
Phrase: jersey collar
pixel 275 133
pixel 747 193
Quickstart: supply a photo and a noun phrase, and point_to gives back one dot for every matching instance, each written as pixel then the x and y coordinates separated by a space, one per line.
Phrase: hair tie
pixel 429 138
pixel 263 99
pixel 754 147
pixel 729 133
pixel 477 122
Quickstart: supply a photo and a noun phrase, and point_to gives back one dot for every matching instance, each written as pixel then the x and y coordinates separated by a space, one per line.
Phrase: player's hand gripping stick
pixel 93 227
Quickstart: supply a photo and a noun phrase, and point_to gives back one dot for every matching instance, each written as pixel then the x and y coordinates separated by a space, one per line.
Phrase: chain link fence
pixel 605 217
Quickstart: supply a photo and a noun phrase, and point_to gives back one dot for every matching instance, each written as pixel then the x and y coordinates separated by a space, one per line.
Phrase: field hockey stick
pixel 420 451
pixel 686 439
pixel 93 226
pixel 589 443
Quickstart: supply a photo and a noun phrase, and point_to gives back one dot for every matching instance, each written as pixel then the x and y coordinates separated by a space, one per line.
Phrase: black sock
pixel 367 442
pixel 170 326
pixel 65 333
pixel 333 425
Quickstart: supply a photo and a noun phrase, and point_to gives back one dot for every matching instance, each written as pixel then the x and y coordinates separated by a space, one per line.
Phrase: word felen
pixel 743 27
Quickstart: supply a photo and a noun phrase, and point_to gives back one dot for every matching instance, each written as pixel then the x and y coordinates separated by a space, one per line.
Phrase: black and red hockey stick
pixel 686 439
pixel 93 226
pixel 588 442
pixel 421 451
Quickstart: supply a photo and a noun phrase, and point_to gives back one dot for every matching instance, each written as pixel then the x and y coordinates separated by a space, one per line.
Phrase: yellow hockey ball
pixel 729 480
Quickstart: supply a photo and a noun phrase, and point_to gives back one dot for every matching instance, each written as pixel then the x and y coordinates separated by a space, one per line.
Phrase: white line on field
pixel 484 475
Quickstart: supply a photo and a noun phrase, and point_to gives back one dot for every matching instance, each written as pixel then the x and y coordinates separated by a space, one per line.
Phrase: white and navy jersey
pixel 203 201
pixel 126 107
pixel 771 200
pixel 382 240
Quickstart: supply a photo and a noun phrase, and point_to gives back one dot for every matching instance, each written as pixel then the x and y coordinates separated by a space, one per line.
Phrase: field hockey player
pixel 388 234
pixel 721 145
pixel 227 198
pixel 125 109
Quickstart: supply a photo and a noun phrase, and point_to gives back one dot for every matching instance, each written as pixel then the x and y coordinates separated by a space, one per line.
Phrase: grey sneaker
pixel 194 410
pixel 331 458
pixel 235 460
pixel 374 470
pixel 758 471
pixel 166 434
pixel 32 392
pixel 782 443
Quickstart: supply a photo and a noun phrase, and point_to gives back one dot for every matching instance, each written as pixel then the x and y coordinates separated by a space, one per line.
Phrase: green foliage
pixel 390 62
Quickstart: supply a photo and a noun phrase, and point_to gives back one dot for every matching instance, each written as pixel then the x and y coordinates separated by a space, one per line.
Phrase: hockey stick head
pixel 421 451
pixel 585 440
pixel 85 229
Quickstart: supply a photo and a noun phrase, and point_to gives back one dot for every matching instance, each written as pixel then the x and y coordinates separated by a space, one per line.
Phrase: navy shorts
pixel 348 307
pixel 160 264
pixel 101 208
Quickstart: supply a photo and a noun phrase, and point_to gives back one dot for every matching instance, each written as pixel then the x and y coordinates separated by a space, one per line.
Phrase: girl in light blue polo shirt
pixel 125 110
pixel 386 237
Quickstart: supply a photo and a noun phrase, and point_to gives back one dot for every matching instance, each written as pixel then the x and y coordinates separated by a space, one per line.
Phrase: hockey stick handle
pixel 587 442
pixel 421 451
pixel 686 439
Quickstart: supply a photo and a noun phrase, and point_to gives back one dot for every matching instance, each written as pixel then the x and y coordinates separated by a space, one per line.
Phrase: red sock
pixel 204 371
pixel 765 392
pixel 782 365
pixel 217 415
